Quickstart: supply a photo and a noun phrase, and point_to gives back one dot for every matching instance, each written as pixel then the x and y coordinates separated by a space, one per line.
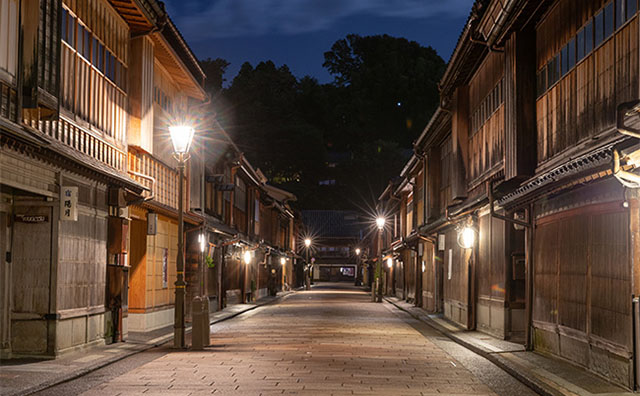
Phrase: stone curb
pixel 518 372
pixel 156 342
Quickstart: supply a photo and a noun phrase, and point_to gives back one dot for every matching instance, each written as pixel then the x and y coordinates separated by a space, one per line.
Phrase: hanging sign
pixel 69 203
pixel 165 268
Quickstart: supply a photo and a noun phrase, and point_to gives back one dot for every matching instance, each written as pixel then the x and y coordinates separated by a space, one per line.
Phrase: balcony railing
pixel 165 188
pixel 79 139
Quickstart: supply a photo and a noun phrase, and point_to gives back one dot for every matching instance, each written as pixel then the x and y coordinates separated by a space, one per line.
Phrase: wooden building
pixel 88 184
pixel 165 83
pixel 528 231
pixel 334 234
pixel 63 172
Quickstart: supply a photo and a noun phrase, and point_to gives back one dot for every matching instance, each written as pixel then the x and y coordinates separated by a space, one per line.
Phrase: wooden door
pixel 5 284
pixel 31 274
pixel 138 263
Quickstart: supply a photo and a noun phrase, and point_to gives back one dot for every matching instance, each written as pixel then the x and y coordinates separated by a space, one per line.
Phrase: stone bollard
pixel 206 328
pixel 197 318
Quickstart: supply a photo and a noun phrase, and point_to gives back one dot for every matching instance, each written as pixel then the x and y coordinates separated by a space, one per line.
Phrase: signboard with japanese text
pixel 165 268
pixel 69 203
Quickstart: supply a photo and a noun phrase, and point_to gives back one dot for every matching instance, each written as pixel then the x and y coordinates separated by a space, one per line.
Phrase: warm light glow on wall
pixel 467 237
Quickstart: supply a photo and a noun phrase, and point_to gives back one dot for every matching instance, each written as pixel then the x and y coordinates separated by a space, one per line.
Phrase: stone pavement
pixel 547 375
pixel 321 342
pixel 26 376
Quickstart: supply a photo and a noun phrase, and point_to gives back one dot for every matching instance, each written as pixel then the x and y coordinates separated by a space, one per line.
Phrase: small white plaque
pixel 69 203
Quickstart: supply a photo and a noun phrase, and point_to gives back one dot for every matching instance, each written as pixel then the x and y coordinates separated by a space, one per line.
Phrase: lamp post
pixel 283 262
pixel 181 137
pixel 380 221
pixel 307 281
pixel 358 269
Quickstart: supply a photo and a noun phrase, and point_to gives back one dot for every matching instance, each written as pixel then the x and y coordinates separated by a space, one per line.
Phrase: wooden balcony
pixel 165 187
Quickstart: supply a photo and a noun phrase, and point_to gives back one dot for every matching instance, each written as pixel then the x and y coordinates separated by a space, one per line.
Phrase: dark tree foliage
pixel 214 70
pixel 334 145
pixel 268 124
pixel 391 85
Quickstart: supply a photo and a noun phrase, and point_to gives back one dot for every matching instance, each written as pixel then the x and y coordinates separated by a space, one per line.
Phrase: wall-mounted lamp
pixel 247 257
pixel 283 261
pixel 467 237
pixel 389 262
pixel 202 242
pixel 358 251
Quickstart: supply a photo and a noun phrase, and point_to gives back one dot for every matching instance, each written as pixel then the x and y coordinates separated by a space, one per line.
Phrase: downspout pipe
pixel 628 179
pixel 501 217
pixel 625 109
pixel 153 187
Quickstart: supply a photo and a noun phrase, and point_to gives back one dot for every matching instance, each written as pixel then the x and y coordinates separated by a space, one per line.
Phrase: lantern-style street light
pixel 376 290
pixel 358 266
pixel 181 137
pixel 307 281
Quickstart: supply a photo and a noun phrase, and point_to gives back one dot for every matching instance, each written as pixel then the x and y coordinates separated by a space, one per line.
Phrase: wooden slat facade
pixel 582 103
pixel 541 103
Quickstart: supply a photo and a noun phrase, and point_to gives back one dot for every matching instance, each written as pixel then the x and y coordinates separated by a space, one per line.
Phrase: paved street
pixel 330 340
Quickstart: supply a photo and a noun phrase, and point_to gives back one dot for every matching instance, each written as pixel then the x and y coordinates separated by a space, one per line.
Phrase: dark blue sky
pixel 298 32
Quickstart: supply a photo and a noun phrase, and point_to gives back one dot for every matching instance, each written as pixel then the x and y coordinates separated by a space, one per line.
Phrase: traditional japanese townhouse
pixel 335 235
pixel 582 238
pixel 165 88
pixel 283 261
pixel 63 173
pixel 531 214
pixel 251 227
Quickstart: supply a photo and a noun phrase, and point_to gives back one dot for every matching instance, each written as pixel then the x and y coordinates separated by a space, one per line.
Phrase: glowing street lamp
pixel 247 257
pixel 181 137
pixel 307 245
pixel 377 289
pixel 358 266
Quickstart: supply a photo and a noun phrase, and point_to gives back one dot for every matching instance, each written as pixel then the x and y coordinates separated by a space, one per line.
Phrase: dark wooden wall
pixel 582 273
pixel 486 104
pixel 582 103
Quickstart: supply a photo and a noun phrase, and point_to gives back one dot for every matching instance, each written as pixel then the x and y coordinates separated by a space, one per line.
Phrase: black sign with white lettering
pixel 23 218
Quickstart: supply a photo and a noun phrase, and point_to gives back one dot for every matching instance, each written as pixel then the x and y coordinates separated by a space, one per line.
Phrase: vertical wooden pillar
pixel 432 207
pixel 520 110
pixel 459 142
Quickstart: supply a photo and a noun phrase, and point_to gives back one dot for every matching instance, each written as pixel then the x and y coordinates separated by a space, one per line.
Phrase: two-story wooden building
pixel 530 216
pixel 88 183
pixel 63 171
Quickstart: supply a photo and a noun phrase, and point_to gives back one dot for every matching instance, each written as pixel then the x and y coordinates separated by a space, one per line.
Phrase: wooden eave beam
pixel 180 73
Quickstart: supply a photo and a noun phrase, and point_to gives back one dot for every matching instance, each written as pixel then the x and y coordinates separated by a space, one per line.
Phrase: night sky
pixel 298 32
